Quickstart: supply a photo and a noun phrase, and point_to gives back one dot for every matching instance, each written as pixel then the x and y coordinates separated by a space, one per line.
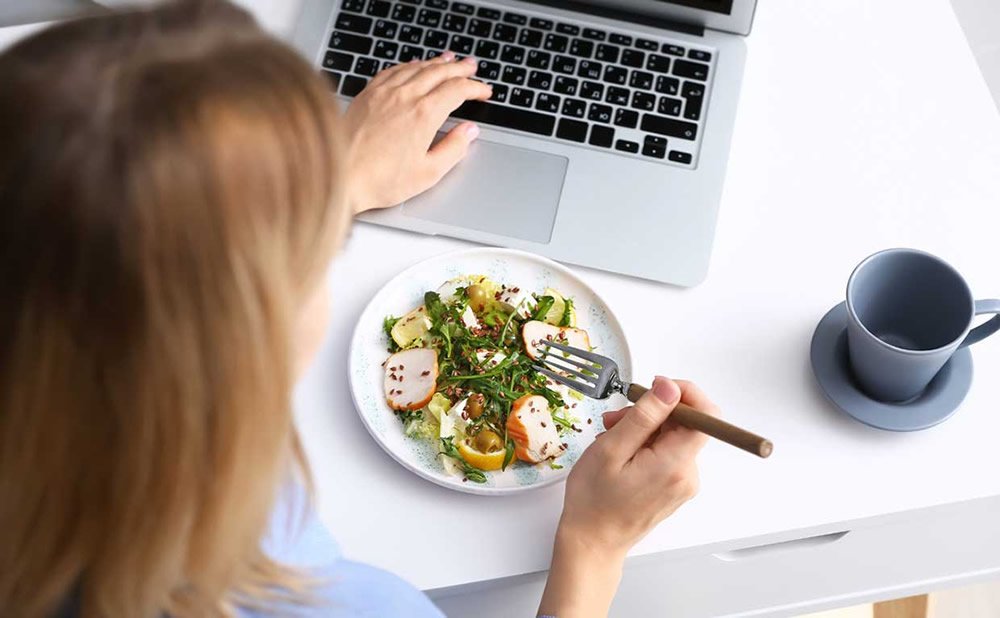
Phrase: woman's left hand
pixel 392 123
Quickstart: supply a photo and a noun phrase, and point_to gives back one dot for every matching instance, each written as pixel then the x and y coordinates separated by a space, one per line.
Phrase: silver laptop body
pixel 609 146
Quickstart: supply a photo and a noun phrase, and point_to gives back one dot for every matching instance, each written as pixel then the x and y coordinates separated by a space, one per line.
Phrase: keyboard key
pixel 540 80
pixel 354 23
pixel 454 23
pixel 410 52
pixel 480 27
pixel 615 75
pixel 627 146
pixel 385 50
pixel 596 35
pixel 334 78
pixel 522 97
pixel 581 48
pixel 463 8
pixel 569 29
pixel 432 53
pixel 385 29
pixel 512 54
pixel 507 117
pixel 679 157
pixel 436 39
pixel 646 44
pixel 352 85
pixel 514 75
pixel 504 33
pixel 366 66
pixel 411 1
pixel 530 38
pixel 410 34
pixel 673 50
pixel 378 8
pixel 555 43
pixel 669 127
pixel 590 69
pixel 669 106
pixel 429 18
pixel 541 24
pixel 651 149
pixel 641 80
pixel 488 13
pixel 694 94
pixel 643 101
pixel 403 12
pixel 354 6
pixel 607 53
pixel 564 64
pixel 617 96
pixel 441 5
pixel 573 130
pixel 697 54
pixel 601 136
pixel 488 70
pixel 487 49
pixel 574 108
pixel 693 70
pixel 350 42
pixel 667 85
pixel 632 58
pixel 658 64
pixel 538 59
pixel 515 18
pixel 547 102
pixel 626 118
pixel 592 90
pixel 500 93
pixel 600 113
pixel 337 61
pixel 565 85
pixel 620 39
pixel 461 44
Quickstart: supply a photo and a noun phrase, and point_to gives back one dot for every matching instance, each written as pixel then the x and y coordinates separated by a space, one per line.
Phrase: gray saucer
pixel 939 400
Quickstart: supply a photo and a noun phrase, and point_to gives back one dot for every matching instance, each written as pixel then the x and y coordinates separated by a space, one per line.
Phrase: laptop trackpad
pixel 498 189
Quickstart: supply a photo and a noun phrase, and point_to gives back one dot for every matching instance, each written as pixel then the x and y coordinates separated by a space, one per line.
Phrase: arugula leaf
pixel 472 473
pixel 554 465
pixel 544 304
pixel 508 455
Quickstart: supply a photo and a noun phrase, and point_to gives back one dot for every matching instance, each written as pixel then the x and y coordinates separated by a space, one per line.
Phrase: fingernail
pixel 472 131
pixel 448 56
pixel 666 390
pixel 469 59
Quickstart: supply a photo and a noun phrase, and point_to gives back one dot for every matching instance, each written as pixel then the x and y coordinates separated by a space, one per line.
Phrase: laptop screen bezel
pixel 737 21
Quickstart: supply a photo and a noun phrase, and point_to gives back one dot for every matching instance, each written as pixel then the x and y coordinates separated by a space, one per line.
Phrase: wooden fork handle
pixel 687 416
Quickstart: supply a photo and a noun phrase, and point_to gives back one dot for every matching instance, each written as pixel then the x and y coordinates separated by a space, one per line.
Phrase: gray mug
pixel 909 311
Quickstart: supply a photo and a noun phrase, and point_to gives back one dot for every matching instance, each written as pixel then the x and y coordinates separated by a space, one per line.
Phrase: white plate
pixel 406 291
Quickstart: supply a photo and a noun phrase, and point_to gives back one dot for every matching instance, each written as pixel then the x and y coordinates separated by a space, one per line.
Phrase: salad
pixel 461 375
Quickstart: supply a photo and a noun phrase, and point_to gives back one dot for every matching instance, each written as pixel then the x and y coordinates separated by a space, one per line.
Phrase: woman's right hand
pixel 391 126
pixel 636 474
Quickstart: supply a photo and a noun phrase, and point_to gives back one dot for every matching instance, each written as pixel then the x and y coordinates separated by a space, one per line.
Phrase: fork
pixel 597 377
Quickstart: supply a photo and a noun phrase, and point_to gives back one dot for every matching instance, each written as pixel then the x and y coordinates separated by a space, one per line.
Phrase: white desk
pixel 862 125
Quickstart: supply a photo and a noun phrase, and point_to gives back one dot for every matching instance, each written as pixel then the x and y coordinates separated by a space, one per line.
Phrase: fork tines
pixel 586 380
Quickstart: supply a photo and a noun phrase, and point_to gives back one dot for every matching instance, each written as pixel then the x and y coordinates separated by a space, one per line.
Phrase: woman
pixel 173 184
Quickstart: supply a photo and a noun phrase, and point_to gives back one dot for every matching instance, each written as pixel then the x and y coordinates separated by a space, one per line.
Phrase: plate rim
pixel 356 335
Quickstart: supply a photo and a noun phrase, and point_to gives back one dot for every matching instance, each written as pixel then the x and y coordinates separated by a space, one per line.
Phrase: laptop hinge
pixel 635 18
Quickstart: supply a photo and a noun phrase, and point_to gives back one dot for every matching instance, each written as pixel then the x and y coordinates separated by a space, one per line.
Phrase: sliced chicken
pixel 534 331
pixel 410 378
pixel 531 427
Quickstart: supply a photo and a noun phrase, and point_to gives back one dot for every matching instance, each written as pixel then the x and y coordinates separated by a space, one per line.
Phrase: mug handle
pixel 984 330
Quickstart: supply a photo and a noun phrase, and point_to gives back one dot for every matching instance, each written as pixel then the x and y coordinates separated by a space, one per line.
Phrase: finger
pixel 682 442
pixel 449 95
pixel 611 418
pixel 401 73
pixel 451 149
pixel 431 76
pixel 642 420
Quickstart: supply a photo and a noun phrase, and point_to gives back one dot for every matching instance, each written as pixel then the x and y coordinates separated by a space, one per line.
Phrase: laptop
pixel 606 140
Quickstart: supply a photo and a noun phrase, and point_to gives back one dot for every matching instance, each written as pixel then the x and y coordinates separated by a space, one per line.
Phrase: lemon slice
pixel 555 313
pixel 411 327
pixel 479 459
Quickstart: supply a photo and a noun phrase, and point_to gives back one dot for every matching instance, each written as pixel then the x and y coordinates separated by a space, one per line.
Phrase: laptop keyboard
pixel 611 91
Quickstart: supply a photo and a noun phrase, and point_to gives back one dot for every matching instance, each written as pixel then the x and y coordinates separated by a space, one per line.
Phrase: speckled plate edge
pixel 449 263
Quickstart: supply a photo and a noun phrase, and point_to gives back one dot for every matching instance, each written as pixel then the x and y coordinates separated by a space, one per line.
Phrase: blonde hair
pixel 168 199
